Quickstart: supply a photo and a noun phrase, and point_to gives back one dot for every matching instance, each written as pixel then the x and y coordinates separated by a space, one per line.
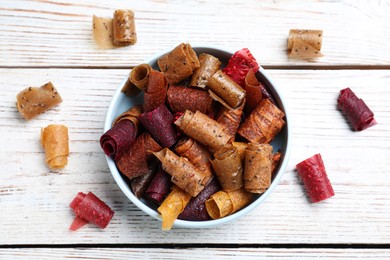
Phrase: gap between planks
pixel 206 245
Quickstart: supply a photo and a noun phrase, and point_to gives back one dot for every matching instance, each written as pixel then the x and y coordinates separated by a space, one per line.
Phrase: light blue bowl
pixel 120 103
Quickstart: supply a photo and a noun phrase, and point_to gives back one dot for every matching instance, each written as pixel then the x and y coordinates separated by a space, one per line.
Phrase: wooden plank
pixel 58 33
pixel 192 253
pixel 35 200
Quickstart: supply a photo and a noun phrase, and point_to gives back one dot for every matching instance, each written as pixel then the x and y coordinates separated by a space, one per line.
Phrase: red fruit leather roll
pixel 159 187
pixel 92 209
pixel 239 65
pixel 182 98
pixel 196 208
pixel 313 174
pixel 156 91
pixel 356 111
pixel 134 162
pixel 118 139
pixel 158 123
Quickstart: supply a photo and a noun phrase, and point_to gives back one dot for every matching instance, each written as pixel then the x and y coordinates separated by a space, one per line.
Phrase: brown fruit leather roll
pixel 258 167
pixel 139 75
pixel 134 162
pixel 197 155
pixel 263 124
pixel 123 27
pixel 304 44
pixel 228 168
pixel 182 98
pixel 203 129
pixel 253 91
pixel 179 64
pixel 184 174
pixel 208 66
pixel 33 101
pixel 231 118
pixel 156 91
pixel 226 89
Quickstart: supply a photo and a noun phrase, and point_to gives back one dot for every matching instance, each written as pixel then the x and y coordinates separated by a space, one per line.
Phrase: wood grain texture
pixel 35 200
pixel 194 253
pixel 47 33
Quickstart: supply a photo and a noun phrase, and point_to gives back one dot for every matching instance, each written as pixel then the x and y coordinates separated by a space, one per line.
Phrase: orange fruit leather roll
pixel 263 124
pixel 33 101
pixel 203 129
pixel 172 206
pixel 224 90
pixel 184 174
pixel 134 162
pixel 304 44
pixel 55 142
pixel 227 165
pixel 138 80
pixel 156 91
pixel 197 155
pixel 224 203
pixel 258 167
pixel 253 91
pixel 179 64
pixel 231 118
pixel 123 27
pixel 208 66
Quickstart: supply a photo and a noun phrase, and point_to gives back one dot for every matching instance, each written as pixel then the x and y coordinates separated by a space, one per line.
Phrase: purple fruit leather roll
pixel 159 187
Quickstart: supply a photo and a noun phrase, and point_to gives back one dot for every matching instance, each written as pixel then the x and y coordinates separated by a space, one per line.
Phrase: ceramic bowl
pixel 120 103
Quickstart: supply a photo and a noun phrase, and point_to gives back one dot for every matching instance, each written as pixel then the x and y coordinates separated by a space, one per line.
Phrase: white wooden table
pixel 42 40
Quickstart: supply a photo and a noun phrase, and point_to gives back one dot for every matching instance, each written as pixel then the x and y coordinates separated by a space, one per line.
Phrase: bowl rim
pixel 209 223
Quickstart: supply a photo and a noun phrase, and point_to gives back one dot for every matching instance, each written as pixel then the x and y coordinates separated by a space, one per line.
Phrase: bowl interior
pixel 121 103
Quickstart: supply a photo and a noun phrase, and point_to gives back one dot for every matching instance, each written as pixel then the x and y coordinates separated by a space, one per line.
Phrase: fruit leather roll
pixel 123 27
pixel 197 155
pixel 304 44
pixel 182 98
pixel 116 141
pixel 55 142
pixel 134 162
pixel 140 184
pixel 263 124
pixel 196 208
pixel 224 203
pixel 184 174
pixel 159 187
pixel 231 118
pixel 33 101
pixel 313 174
pixel 138 80
pixel 203 129
pixel 358 113
pixel 227 165
pixel 225 90
pixel 156 91
pixel 208 66
pixel 179 64
pixel 158 123
pixel 258 167
pixel 172 206
pixel 253 91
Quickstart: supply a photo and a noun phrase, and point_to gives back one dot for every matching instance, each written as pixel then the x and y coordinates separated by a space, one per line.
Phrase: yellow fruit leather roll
pixel 172 206
pixel 179 64
pixel 55 142
pixel 224 90
pixel 208 66
pixel 184 174
pixel 304 44
pixel 224 203
pixel 33 101
pixel 258 167
pixel 227 165
pixel 203 129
